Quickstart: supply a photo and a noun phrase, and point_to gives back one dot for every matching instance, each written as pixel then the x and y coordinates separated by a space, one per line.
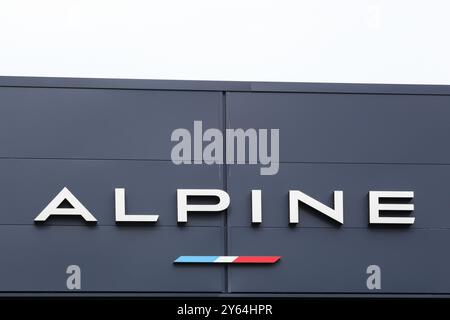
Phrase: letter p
pixel 183 207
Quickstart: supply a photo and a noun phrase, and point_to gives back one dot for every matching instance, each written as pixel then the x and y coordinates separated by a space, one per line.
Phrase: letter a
pixel 54 207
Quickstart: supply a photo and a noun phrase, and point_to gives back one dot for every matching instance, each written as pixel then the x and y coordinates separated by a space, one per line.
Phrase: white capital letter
pixel 336 214
pixel 375 207
pixel 183 207
pixel 55 208
pixel 121 216
pixel 256 206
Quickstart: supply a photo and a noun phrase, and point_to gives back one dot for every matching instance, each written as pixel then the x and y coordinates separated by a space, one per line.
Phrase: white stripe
pixel 225 259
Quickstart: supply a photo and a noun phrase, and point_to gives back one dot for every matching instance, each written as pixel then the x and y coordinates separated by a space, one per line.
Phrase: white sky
pixel 371 41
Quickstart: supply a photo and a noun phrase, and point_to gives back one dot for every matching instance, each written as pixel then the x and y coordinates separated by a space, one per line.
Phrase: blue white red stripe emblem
pixel 227 259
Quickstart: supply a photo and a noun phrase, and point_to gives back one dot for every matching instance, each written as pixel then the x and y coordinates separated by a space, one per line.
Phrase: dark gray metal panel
pixel 349 88
pixel 347 124
pixel 196 85
pixel 430 184
pixel 348 127
pixel 133 84
pixel 335 261
pixel 27 186
pixel 130 259
pixel 101 124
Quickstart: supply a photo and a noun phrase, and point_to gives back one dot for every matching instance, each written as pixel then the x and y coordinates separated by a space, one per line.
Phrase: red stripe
pixel 257 259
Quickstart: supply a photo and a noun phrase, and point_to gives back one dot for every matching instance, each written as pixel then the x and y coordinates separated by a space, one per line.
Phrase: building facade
pixel 314 190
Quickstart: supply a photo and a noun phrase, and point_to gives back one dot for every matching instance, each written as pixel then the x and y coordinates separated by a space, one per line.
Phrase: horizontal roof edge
pixel 200 85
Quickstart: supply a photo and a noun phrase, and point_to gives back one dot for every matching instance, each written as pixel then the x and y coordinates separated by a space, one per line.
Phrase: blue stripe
pixel 196 259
